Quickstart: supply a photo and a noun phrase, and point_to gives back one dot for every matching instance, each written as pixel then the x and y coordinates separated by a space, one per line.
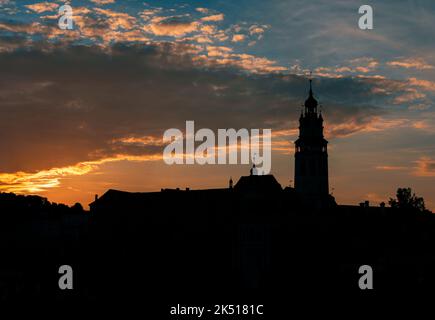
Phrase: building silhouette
pixel 311 154
pixel 311 173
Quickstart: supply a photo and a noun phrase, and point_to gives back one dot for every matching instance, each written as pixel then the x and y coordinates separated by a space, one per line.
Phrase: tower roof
pixel 311 102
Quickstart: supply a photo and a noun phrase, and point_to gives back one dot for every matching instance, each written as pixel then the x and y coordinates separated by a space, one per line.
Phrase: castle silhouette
pixel 251 239
pixel 311 172
pixel 256 234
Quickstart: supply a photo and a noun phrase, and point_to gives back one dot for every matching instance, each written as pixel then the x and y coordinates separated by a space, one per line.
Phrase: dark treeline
pixel 35 236
pixel 30 204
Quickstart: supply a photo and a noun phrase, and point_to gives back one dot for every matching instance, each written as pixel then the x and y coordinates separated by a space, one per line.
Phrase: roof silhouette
pixel 258 184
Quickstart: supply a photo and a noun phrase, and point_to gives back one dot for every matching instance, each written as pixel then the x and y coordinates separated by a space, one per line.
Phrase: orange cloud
pixel 218 51
pixel 215 17
pixel 164 26
pixel 415 63
pixel 251 63
pixel 410 95
pixel 43 6
pixel 359 65
pixel 102 2
pixel 323 73
pixel 116 26
pixel 364 64
pixel 146 140
pixel 425 84
pixel 421 125
pixel 238 38
pixel 223 56
pixel 286 132
pixel 354 125
pixel 25 182
pixel 343 69
pixel 117 19
pixel 32 28
pixel 122 27
pixel 256 30
pixel 149 13
pixel 202 10
pixel 390 168
pixel 425 167
pixel 208 29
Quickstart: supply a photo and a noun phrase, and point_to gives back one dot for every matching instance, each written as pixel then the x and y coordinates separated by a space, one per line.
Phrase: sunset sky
pixel 84 110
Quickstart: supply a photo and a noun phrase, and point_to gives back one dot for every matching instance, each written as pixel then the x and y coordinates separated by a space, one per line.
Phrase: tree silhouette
pixel 77 208
pixel 407 200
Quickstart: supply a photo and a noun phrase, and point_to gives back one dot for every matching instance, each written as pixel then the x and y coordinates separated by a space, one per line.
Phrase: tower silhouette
pixel 311 153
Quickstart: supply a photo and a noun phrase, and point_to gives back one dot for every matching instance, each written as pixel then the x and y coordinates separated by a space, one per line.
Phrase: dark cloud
pixel 70 104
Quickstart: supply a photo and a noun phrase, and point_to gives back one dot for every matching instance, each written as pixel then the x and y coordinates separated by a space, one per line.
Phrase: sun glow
pixel 27 182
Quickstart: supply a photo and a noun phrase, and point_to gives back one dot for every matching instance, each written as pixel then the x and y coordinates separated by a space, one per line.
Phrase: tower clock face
pixel 211 151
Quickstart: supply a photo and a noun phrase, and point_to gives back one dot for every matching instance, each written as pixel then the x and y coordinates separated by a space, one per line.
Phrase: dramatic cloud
pixel 93 106
pixel 24 182
pixel 104 27
pixel 73 102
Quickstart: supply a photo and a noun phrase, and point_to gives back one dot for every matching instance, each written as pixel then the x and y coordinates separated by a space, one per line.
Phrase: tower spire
pixel 311 88
pixel 311 102
pixel 311 81
pixel 311 155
